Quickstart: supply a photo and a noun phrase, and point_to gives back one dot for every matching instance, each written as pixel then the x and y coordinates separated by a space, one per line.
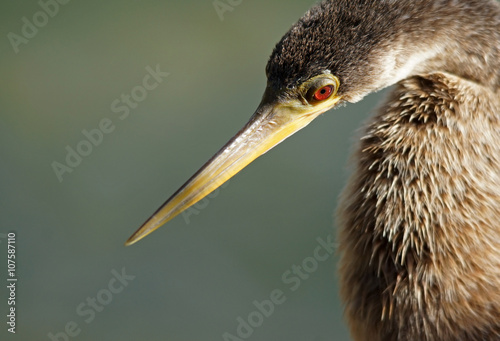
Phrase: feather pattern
pixel 420 218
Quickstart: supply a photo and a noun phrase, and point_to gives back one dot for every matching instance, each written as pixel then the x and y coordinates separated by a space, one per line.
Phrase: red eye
pixel 323 93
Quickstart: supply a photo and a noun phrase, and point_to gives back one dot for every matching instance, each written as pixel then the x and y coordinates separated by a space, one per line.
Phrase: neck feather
pixel 463 40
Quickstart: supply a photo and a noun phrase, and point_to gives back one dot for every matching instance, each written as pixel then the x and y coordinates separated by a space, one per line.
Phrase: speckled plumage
pixel 420 217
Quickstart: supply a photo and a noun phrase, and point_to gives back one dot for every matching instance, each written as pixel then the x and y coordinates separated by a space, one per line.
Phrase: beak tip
pixel 131 240
pixel 149 226
pixel 138 235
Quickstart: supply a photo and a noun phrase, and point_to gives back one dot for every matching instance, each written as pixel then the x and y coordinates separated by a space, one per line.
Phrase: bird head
pixel 322 61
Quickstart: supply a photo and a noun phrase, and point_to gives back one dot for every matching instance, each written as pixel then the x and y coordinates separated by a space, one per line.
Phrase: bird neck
pixel 463 40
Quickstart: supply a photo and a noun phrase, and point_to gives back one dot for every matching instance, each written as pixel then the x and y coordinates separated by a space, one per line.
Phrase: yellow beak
pixel 272 123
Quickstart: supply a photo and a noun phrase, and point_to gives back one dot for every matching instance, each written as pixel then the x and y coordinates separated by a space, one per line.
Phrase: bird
pixel 419 218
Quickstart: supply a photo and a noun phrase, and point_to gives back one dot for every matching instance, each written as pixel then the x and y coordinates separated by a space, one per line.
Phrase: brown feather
pixel 420 218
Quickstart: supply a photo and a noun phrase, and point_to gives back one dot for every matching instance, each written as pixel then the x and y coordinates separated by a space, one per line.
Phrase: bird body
pixel 420 217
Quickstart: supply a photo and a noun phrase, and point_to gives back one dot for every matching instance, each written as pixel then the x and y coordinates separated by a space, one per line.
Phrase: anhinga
pixel 420 216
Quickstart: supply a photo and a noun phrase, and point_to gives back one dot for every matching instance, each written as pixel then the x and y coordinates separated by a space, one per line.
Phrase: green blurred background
pixel 195 276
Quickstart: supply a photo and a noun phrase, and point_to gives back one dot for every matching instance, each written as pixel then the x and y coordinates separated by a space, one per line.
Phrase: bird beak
pixel 273 122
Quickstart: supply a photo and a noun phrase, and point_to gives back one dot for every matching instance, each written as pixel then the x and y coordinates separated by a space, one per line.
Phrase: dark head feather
pixel 352 38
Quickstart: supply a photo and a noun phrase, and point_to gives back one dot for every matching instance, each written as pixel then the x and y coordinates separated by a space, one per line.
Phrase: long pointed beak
pixel 271 124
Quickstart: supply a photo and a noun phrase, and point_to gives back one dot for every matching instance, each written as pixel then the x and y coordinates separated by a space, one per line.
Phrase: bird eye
pixel 323 93
pixel 319 89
